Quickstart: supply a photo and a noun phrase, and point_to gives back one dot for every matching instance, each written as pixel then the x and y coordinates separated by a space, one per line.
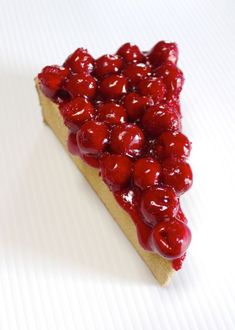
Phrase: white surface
pixel 64 263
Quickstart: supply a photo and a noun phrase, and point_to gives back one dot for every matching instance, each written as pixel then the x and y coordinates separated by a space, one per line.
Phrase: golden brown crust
pixel 160 267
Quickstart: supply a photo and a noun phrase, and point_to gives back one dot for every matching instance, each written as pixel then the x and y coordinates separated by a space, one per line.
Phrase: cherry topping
pixel 171 238
pixel 177 174
pixel 135 72
pixel 51 78
pixel 111 113
pixel 76 112
pixel 116 171
pixel 82 84
pixel 173 78
pixel 130 53
pixel 72 144
pixel 158 204
pixel 146 172
pixel 172 144
pixel 136 105
pixel 163 52
pixel 107 64
pixel 154 87
pixel 160 118
pixel 79 61
pixel 127 139
pixel 92 137
pixel 113 86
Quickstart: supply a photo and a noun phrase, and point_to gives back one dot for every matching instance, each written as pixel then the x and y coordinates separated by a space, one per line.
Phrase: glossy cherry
pixel 171 238
pixel 177 174
pixel 111 113
pixel 107 64
pixel 160 118
pixel 51 79
pixel 127 139
pixel 158 204
pixel 79 61
pixel 113 86
pixel 172 144
pixel 135 72
pixel 130 53
pixel 164 52
pixel 116 171
pixel 76 112
pixel 92 137
pixel 173 78
pixel 146 172
pixel 136 105
pixel 154 87
pixel 81 84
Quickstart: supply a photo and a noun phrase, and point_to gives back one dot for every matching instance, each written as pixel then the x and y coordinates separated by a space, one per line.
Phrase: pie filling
pixel 124 118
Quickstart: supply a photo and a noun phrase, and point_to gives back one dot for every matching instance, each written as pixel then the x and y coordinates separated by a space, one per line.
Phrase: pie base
pixel 160 267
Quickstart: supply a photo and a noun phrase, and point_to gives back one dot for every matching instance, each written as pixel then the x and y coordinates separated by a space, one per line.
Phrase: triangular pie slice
pixel 119 118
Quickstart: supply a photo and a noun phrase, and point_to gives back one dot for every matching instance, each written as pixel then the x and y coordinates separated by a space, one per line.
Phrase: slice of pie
pixel 119 118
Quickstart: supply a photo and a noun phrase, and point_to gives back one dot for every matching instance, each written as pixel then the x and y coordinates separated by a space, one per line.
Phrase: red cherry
pixel 171 238
pixel 160 118
pixel 136 105
pixel 72 144
pixel 154 87
pixel 92 137
pixel 180 215
pixel 172 144
pixel 82 84
pixel 177 174
pixel 116 171
pixel 146 172
pixel 136 72
pixel 127 139
pixel 163 52
pixel 111 113
pixel 107 64
pixel 130 53
pixel 51 78
pixel 158 204
pixel 173 78
pixel 80 61
pixel 76 112
pixel 113 86
pixel 174 104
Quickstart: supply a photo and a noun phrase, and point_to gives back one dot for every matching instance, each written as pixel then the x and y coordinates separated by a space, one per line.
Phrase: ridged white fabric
pixel 64 263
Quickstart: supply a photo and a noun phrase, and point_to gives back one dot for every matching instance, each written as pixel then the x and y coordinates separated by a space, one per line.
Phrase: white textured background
pixel 64 263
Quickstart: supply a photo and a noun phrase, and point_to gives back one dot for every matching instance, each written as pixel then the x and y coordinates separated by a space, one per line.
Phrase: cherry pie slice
pixel 119 117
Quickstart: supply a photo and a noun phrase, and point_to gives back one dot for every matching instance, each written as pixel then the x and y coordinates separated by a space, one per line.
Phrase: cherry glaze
pixel 124 118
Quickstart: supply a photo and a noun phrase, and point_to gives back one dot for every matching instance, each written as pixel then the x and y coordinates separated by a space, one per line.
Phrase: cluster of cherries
pixel 123 115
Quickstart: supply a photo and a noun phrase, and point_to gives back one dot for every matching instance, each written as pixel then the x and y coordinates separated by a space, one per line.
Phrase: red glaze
pixel 164 52
pixel 107 64
pixel 172 144
pixel 127 139
pixel 130 53
pixel 79 61
pixel 154 87
pixel 158 204
pixel 81 84
pixel 116 171
pixel 111 113
pixel 146 172
pixel 177 174
pixel 113 86
pixel 135 72
pixel 160 118
pixel 171 238
pixel 51 79
pixel 137 87
pixel 173 78
pixel 76 112
pixel 92 137
pixel 136 105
